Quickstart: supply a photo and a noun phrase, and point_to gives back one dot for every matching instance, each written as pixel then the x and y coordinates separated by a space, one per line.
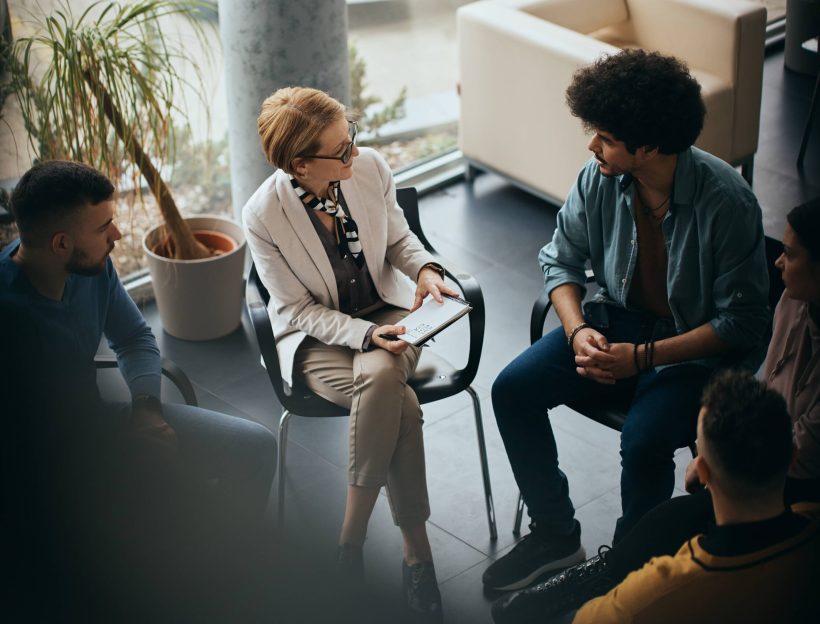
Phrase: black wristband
pixel 651 355
pixel 435 266
pixel 575 330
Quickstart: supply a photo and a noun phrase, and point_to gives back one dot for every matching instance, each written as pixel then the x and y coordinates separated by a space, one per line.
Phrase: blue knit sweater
pixel 71 329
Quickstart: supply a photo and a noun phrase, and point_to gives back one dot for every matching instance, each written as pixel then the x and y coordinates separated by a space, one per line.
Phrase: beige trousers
pixel 385 437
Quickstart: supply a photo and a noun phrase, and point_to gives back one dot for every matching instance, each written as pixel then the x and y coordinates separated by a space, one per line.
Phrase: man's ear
pixel 62 244
pixel 703 470
pixel 647 152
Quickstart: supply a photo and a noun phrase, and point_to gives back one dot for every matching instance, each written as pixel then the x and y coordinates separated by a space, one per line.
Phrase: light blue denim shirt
pixel 713 229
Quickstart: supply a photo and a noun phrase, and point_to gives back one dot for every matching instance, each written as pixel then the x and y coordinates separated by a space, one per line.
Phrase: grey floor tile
pixel 597 518
pixel 238 355
pixel 305 469
pixel 456 486
pixel 254 395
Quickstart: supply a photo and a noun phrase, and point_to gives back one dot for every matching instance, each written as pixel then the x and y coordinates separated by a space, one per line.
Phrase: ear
pixel 646 152
pixel 299 165
pixel 703 470
pixel 62 244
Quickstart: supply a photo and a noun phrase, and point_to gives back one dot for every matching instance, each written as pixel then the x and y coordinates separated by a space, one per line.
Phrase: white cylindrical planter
pixel 199 299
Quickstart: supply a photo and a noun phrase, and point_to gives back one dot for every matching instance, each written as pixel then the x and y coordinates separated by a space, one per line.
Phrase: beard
pixel 610 174
pixel 80 264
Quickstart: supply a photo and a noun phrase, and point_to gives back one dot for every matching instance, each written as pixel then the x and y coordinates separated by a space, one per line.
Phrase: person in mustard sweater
pixel 759 561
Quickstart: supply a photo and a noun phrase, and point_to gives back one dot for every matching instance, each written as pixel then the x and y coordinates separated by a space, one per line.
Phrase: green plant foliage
pixel 204 164
pixel 5 55
pixel 370 122
pixel 66 68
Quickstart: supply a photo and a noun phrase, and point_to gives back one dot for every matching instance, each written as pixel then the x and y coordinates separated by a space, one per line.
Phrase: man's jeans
pixel 662 409
pixel 239 454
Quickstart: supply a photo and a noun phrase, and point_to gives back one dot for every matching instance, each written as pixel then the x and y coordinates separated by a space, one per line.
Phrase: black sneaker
pixel 561 593
pixel 532 557
pixel 421 590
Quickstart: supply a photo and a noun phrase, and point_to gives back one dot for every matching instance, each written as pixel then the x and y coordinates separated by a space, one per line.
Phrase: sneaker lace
pixel 591 568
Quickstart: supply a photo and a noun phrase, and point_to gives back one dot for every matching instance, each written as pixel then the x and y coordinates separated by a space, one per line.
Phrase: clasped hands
pixel 429 282
pixel 598 359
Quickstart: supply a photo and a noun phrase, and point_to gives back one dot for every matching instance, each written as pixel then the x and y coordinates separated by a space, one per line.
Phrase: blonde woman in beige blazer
pixel 339 260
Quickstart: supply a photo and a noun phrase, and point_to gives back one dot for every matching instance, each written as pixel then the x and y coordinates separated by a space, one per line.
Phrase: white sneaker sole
pixel 557 564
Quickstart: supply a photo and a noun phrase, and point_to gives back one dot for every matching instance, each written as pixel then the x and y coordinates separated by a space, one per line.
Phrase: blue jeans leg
pixel 239 453
pixel 539 379
pixel 661 419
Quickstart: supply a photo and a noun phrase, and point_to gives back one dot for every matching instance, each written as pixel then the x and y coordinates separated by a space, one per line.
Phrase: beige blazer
pixel 295 269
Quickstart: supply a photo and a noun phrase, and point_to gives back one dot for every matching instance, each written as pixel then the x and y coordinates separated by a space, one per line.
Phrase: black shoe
pixel 533 556
pixel 561 593
pixel 421 590
pixel 350 562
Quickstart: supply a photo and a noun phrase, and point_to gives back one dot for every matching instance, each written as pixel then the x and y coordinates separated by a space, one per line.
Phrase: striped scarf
pixel 346 230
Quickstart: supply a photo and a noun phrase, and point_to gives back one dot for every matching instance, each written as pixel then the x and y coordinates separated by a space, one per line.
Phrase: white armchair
pixel 517 57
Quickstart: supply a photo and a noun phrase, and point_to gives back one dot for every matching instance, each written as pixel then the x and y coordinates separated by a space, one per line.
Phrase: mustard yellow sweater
pixel 778 584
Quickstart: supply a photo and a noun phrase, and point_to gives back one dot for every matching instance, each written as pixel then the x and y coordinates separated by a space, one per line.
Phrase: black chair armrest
pixel 260 320
pixel 472 293
pixel 173 372
pixel 541 308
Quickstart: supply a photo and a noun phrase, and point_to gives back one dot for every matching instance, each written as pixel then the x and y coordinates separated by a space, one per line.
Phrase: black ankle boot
pixel 421 590
pixel 350 562
pixel 557 595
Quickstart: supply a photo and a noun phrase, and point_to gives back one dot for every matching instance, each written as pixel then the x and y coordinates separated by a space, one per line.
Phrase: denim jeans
pixel 240 455
pixel 662 408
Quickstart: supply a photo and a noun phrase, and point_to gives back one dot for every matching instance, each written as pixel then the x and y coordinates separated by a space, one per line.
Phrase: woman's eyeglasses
pixel 345 155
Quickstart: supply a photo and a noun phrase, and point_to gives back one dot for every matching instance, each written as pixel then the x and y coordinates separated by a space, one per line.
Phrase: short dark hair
pixel 52 190
pixel 747 428
pixel 805 221
pixel 642 98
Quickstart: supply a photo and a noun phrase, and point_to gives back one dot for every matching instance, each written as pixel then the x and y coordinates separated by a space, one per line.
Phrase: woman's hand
pixel 394 346
pixel 430 283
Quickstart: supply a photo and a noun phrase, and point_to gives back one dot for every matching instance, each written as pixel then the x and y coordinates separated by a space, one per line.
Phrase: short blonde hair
pixel 291 121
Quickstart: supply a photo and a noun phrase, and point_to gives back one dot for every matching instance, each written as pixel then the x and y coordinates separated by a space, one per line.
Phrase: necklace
pixel 652 212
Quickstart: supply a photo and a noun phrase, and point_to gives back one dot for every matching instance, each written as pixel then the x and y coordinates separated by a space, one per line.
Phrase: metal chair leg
pixel 485 469
pixel 519 515
pixel 813 108
pixel 284 421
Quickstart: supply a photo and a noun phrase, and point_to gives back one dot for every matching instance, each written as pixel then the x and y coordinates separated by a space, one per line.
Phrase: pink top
pixel 792 368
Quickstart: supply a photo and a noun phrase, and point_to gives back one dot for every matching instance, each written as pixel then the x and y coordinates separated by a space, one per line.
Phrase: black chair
pixel 173 372
pixel 613 417
pixel 434 379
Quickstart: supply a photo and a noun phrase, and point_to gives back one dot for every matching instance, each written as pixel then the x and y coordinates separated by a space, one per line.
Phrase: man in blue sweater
pixel 60 274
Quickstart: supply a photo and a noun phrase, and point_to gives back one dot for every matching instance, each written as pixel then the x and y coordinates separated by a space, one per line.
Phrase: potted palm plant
pixel 103 86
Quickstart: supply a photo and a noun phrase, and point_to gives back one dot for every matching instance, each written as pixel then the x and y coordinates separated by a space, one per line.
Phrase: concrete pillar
pixel 268 44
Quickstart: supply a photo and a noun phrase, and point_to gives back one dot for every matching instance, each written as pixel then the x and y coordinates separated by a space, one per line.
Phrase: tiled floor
pixel 494 231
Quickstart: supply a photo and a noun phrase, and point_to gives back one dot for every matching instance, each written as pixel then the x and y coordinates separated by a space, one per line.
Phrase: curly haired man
pixel 674 237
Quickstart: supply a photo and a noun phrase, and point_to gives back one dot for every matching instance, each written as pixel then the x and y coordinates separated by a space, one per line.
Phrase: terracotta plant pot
pixel 200 299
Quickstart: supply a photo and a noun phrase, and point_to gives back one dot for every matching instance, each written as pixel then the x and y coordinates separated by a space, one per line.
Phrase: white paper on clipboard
pixel 432 317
